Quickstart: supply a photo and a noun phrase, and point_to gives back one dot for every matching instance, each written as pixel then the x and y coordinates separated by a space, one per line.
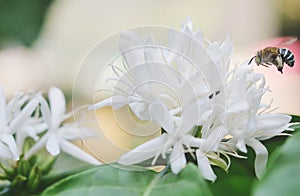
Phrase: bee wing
pixel 287 41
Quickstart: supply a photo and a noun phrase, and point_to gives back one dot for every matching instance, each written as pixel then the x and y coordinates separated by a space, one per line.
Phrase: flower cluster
pixel 206 107
pixel 28 123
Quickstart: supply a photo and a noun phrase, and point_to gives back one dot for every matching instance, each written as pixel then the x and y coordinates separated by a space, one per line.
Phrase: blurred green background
pixel 21 21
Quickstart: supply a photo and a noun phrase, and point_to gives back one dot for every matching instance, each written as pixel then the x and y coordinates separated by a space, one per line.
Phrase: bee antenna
pixel 251 60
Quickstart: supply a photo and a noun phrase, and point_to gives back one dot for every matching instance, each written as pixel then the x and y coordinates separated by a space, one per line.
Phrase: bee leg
pixel 265 65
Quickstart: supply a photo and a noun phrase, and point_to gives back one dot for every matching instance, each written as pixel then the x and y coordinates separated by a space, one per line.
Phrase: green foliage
pixel 111 180
pixel 25 175
pixel 240 179
pixel 20 20
pixel 69 176
pixel 282 175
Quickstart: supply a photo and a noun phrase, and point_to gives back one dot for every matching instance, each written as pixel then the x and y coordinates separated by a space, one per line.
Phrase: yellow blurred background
pixel 51 52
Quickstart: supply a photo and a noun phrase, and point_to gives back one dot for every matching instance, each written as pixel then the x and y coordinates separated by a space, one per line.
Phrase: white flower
pixel 170 90
pixel 245 119
pixel 191 85
pixel 57 137
pixel 175 141
pixel 238 104
pixel 32 128
pixel 13 117
pixel 159 93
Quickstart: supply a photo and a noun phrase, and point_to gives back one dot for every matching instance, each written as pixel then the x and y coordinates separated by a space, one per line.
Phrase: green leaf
pixel 240 177
pixel 295 118
pixel 282 175
pixel 65 165
pixel 20 21
pixel 112 180
pixel 188 182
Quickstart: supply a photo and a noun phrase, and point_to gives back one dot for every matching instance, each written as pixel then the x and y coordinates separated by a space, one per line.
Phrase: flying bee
pixel 274 56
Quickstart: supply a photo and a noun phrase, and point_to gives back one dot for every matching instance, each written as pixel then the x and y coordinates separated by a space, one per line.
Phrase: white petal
pixel 128 41
pixel 270 125
pixel 29 130
pixel 153 54
pixel 143 152
pixel 261 156
pixel 73 132
pixel 38 145
pixel 3 123
pixel 187 44
pixel 160 114
pixel 187 26
pixel 215 53
pixel 214 139
pixel 46 114
pixel 205 167
pixel 52 145
pixel 251 126
pixel 190 117
pixel 272 121
pixel 74 151
pixel 254 96
pixel 226 48
pixel 20 138
pixel 140 109
pixel 40 127
pixel 21 118
pixel 18 100
pixel 116 102
pixel 239 106
pixel 241 145
pixel 189 140
pixel 11 143
pixel 177 158
pixel 5 152
pixel 58 105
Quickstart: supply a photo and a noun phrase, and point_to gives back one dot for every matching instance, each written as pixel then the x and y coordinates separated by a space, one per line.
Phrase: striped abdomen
pixel 287 56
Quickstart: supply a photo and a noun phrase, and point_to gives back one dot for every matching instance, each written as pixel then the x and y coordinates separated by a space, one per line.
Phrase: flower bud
pixel 9 171
pixel 18 180
pixel 23 167
pixel 34 178
pixel 46 167
pixel 3 176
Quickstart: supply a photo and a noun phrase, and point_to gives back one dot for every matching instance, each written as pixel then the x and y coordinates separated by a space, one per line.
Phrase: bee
pixel 274 56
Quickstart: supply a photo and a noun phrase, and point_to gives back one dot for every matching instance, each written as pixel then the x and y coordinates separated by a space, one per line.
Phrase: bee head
pixel 258 59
